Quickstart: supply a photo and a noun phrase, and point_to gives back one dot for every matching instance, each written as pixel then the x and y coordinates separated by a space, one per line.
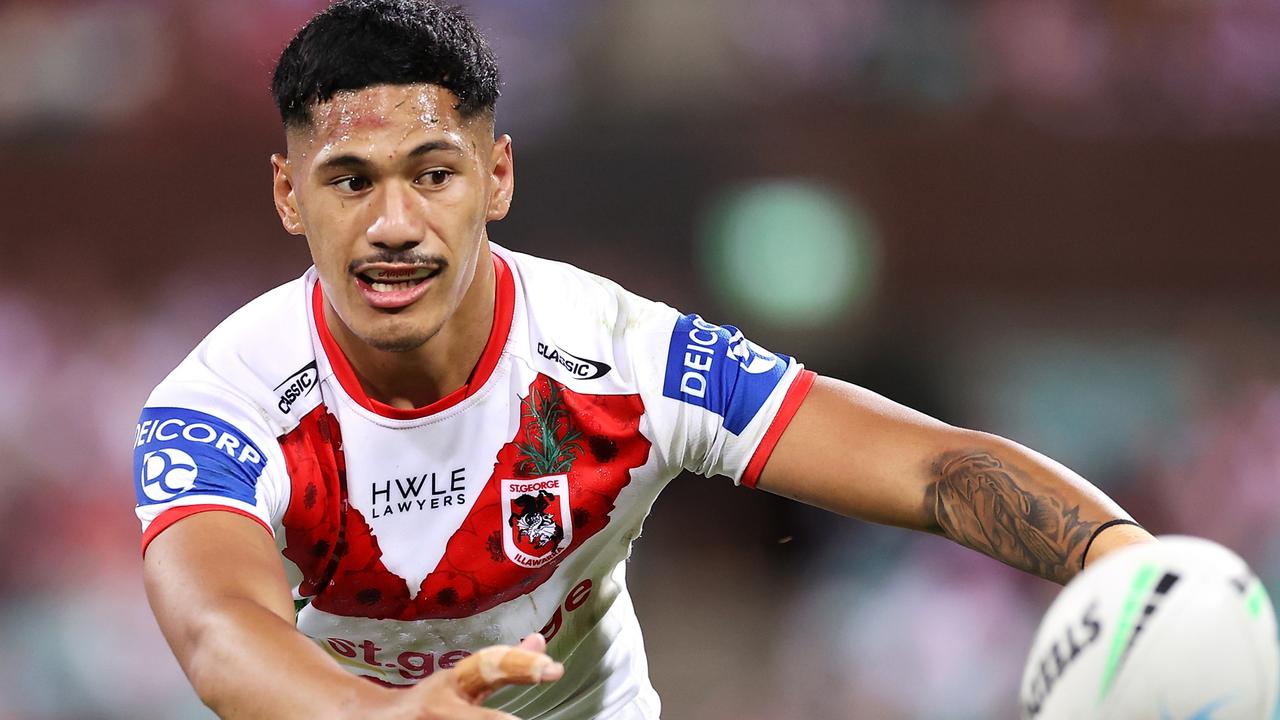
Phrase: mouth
pixel 389 287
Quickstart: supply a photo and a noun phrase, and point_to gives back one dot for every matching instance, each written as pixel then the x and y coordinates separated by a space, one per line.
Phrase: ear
pixel 504 178
pixel 286 202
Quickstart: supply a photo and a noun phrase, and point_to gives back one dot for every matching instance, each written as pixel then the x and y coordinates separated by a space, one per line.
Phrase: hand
pixel 454 694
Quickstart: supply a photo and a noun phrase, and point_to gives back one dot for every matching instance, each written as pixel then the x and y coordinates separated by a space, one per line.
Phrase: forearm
pixel 1022 508
pixel 856 453
pixel 218 590
pixel 247 662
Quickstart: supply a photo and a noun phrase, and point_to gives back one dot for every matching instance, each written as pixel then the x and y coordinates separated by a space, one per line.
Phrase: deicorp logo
pixel 180 451
pixel 717 368
pixel 166 473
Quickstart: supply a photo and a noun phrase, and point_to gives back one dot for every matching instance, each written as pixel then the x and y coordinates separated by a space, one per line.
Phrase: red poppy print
pixel 592 442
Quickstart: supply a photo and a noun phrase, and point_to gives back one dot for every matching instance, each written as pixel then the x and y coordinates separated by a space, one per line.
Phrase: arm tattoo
pixel 980 503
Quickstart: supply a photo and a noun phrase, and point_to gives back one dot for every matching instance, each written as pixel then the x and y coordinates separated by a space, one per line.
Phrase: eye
pixel 435 178
pixel 352 184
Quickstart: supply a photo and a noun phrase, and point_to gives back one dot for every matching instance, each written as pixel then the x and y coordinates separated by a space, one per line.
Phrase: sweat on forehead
pixel 351 115
pixel 384 104
pixel 374 108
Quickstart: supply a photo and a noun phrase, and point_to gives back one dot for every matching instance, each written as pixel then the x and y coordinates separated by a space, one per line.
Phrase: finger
pixel 534 643
pixel 494 667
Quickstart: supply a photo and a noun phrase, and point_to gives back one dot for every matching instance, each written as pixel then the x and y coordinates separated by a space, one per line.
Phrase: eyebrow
pixel 355 162
pixel 435 146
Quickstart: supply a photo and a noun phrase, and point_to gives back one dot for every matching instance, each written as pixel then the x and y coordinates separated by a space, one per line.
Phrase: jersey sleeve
pixel 718 402
pixel 197 448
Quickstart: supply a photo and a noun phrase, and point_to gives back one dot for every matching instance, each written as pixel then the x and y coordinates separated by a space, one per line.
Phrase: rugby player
pixel 421 464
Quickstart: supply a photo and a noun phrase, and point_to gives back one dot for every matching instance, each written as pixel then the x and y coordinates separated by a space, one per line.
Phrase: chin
pixel 396 343
pixel 399 337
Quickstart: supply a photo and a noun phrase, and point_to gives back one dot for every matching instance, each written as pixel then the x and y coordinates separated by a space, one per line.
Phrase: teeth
pixel 389 287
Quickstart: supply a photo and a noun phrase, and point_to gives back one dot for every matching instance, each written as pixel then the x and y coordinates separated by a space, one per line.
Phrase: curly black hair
pixel 356 44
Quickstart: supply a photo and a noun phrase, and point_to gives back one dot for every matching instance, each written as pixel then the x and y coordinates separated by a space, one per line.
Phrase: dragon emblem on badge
pixel 532 522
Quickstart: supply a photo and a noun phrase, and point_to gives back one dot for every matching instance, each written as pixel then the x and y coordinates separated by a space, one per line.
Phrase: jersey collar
pixel 503 310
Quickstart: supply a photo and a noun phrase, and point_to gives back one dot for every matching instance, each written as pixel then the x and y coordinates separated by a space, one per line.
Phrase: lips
pixel 394 286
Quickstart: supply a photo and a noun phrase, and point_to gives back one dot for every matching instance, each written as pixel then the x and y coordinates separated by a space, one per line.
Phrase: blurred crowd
pixel 1071 205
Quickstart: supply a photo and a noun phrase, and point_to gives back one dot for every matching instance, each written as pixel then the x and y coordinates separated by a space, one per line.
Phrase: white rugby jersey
pixel 415 537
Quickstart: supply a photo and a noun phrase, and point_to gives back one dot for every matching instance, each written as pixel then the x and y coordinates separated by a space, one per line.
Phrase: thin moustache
pixel 436 262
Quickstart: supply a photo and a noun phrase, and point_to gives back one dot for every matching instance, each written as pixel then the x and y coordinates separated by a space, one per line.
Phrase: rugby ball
pixel 1175 630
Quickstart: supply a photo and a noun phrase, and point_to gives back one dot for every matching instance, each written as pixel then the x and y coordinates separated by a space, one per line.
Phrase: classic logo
pixel 539 522
pixel 297 385
pixel 581 368
pixel 166 473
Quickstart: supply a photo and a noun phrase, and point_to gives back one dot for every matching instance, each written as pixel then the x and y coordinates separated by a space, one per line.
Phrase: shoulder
pixel 245 365
pixel 557 290
pixel 584 326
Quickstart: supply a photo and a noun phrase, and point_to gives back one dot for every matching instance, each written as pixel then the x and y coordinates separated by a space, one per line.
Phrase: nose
pixel 397 224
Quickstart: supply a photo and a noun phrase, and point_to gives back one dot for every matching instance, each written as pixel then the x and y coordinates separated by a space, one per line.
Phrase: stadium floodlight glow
pixel 790 252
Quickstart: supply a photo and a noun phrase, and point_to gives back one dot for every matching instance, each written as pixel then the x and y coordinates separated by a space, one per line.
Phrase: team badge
pixel 539 522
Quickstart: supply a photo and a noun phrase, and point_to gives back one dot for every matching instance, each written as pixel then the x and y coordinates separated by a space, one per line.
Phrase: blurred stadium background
pixel 1055 220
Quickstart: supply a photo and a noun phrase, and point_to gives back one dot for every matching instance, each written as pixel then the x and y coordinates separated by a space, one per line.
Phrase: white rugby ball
pixel 1175 630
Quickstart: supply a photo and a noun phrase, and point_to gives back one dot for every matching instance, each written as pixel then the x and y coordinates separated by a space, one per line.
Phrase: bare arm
pixel 856 453
pixel 217 587
pixel 218 591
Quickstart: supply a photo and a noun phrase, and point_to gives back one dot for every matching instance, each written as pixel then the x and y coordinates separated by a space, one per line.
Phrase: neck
pixel 442 365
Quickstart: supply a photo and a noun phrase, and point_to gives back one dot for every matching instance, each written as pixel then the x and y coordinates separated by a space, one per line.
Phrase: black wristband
pixel 1094 536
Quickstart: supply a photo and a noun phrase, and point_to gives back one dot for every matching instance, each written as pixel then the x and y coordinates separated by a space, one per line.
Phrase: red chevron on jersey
pixel 594 440
pixel 573 451
pixel 313 520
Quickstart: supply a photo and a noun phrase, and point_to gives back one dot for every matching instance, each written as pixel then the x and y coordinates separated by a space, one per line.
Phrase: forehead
pixel 381 115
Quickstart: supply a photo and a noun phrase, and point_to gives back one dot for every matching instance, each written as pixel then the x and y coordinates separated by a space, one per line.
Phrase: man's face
pixel 393 188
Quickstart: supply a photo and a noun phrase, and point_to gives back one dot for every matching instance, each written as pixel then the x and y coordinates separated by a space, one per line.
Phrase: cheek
pixel 327 250
pixel 455 216
pixel 477 207
pixel 331 224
